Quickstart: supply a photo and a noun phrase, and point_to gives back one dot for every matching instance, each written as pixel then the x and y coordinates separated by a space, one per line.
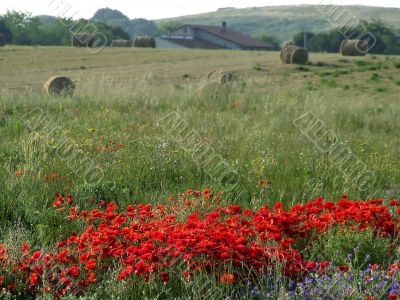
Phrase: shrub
pixel 2 40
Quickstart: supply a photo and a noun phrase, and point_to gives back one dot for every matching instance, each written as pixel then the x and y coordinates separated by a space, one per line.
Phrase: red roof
pixel 233 36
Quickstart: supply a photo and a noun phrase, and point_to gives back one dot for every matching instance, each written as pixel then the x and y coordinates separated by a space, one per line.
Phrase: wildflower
pixel 91 265
pixel 19 173
pixel 227 278
pixel 91 277
pixel 25 248
pixel 74 271
pixel 225 255
pixel 264 182
pixel 164 277
pixel 394 202
pixel 34 279
pixel 343 268
pixel 58 202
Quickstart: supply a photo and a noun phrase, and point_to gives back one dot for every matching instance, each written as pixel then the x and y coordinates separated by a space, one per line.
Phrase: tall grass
pixel 249 123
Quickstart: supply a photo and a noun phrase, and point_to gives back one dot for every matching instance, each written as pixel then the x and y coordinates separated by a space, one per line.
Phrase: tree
pixel 135 27
pixel 169 26
pixel 143 27
pixel 23 26
pixel 119 33
pixel 6 32
pixel 270 39
pixel 107 16
pixel 298 39
pixel 2 40
pixel 385 38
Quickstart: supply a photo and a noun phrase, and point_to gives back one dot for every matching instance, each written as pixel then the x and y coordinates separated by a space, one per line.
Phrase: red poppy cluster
pixel 111 146
pixel 193 233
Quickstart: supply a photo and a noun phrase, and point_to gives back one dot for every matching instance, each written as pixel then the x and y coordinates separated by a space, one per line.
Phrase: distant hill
pixel 284 21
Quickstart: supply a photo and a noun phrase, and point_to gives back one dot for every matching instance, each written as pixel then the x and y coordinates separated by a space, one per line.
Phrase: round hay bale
pixel 3 41
pixel 294 55
pixel 120 43
pixel 59 86
pixel 144 42
pixel 354 47
pixel 221 76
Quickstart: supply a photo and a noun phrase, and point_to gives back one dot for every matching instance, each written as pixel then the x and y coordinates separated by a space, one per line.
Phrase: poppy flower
pixel 227 278
pixel 264 182
pixel 34 279
pixel 343 268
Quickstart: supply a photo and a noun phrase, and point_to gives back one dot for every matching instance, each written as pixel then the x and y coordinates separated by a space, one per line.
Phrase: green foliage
pixel 99 191
pixel 386 38
pixel 2 40
pixel 22 25
pixel 142 27
pixel 5 31
pixel 381 89
pixel 258 66
pixel 119 33
pixel 303 69
pixel 329 82
pixel 374 77
pixel 45 30
pixel 338 246
pixel 269 38
pixel 133 28
pixel 168 27
pixel 109 15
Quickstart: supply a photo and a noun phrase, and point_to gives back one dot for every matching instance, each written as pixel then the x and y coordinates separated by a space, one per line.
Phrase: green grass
pixel 122 94
pixel 119 101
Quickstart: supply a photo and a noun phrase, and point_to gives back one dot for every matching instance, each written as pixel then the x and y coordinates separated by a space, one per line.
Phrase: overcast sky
pixel 156 9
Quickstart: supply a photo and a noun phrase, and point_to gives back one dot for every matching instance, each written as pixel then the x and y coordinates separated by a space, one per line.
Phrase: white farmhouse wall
pixel 162 43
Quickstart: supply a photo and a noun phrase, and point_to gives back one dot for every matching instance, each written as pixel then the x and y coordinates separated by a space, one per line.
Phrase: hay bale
pixel 120 43
pixel 144 42
pixel 83 40
pixel 59 86
pixel 3 41
pixel 221 76
pixel 354 47
pixel 292 54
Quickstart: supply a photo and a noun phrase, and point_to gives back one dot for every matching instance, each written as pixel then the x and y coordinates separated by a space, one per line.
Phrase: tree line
pixel 386 39
pixel 21 28
pixel 24 29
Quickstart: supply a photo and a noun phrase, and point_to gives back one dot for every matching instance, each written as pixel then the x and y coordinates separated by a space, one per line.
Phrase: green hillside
pixel 285 21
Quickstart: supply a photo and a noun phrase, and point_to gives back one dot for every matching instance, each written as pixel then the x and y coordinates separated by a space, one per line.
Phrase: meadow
pixel 115 125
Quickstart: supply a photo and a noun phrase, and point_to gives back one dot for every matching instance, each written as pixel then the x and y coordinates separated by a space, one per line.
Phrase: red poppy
pixel 343 268
pixel 227 278
pixel 91 265
pixel 264 182
pixel 164 277
pixel 34 279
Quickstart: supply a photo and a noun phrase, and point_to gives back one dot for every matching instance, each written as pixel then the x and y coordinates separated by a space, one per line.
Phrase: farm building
pixel 210 37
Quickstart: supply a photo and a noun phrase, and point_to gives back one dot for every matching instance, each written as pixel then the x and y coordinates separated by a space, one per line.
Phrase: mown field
pixel 118 129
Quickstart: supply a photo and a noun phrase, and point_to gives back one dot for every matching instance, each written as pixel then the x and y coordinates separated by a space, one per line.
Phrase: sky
pixel 157 9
